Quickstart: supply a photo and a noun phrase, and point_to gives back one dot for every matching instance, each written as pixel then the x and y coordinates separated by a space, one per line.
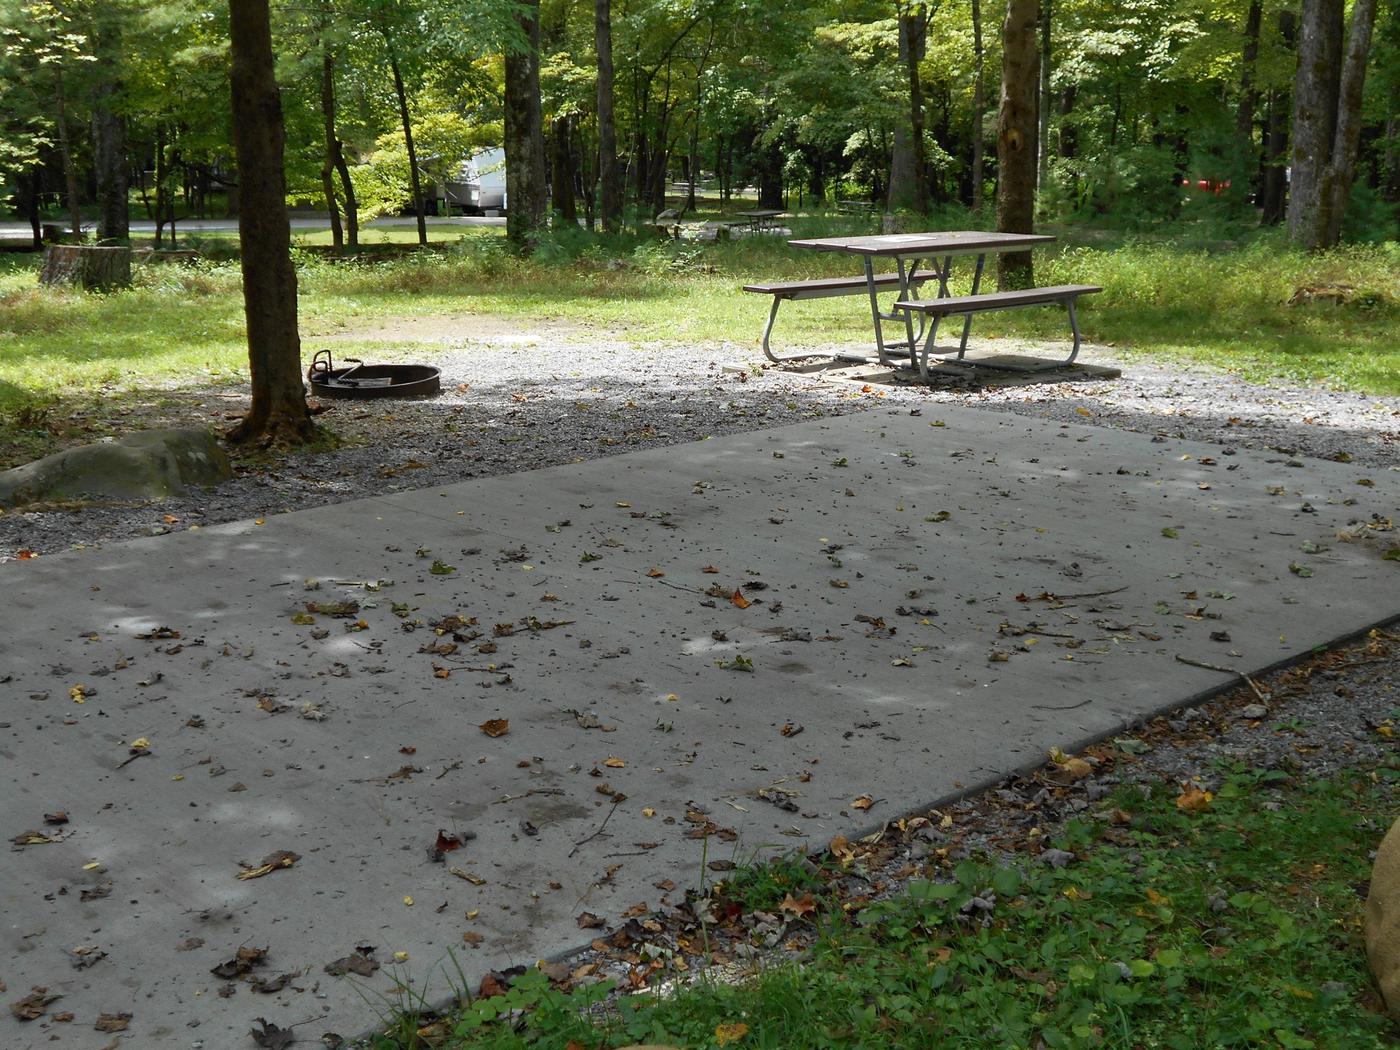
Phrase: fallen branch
pixel 1225 670
pixel 593 836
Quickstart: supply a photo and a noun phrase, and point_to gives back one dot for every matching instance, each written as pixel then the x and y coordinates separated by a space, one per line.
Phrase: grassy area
pixel 1228 923
pixel 1228 308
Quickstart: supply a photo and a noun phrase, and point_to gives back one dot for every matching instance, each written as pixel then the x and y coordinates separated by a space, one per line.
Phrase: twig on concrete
pixel 593 836
pixel 1254 686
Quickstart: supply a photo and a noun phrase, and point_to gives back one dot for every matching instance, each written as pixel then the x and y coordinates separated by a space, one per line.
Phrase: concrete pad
pixel 886 556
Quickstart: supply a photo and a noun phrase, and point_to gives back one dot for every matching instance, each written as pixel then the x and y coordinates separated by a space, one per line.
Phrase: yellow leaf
pixel 142 742
pixel 401 957
pixel 655 574
pixel 730 1033
pixel 408 901
pixel 1083 411
pixel 1157 899
pixel 648 812
pixel 614 763
pixel 1193 800
pixel 79 694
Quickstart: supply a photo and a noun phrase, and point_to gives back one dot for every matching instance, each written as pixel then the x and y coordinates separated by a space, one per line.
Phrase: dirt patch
pixel 446 330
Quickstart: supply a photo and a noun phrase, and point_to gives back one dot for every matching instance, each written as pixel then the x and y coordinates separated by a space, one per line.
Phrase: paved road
pixel 10 229
pixel 883 558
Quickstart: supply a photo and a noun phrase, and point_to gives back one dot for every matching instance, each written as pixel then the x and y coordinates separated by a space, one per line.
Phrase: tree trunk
pixel 331 142
pixel 524 132
pixel 1043 98
pixel 562 173
pixel 1390 182
pixel 91 268
pixel 1273 191
pixel 162 177
pixel 1016 133
pixel 1341 169
pixel 413 180
pixel 979 105
pixel 30 191
pixel 1315 97
pixel 1249 96
pixel 908 184
pixel 109 149
pixel 278 412
pixel 610 188
pixel 65 151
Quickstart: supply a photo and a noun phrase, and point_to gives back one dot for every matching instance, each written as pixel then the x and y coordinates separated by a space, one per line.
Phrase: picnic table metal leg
pixel 1074 327
pixel 904 282
pixel 967 321
pixel 875 310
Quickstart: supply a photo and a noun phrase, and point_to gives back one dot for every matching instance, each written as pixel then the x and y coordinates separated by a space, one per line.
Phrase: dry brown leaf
pixel 112 1022
pixel 655 574
pixel 739 600
pixel 1193 800
pixel 864 802
pixel 613 762
pixel 494 727
pixel 282 858
pixel 800 907
pixel 34 1005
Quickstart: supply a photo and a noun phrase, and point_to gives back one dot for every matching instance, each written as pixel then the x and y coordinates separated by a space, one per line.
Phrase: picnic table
pixel 920 258
pixel 760 219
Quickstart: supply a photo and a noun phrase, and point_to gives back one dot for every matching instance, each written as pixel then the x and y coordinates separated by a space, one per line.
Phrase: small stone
pixel 1253 712
pixel 1058 858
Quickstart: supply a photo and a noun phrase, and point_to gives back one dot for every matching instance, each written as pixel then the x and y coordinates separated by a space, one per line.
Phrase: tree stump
pixel 93 268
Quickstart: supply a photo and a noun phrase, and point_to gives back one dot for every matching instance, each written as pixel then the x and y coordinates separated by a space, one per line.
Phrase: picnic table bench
pixel 855 207
pixel 920 257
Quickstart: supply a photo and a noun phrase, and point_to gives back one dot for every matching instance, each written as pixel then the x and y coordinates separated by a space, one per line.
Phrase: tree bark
pixel 1016 134
pixel 979 104
pixel 30 190
pixel 65 151
pixel 1043 98
pixel 1341 168
pixel 89 267
pixel 562 172
pixel 413 180
pixel 278 412
pixel 524 132
pixel 1273 190
pixel 610 187
pixel 908 189
pixel 1315 95
pixel 109 147
pixel 1249 96
pixel 332 144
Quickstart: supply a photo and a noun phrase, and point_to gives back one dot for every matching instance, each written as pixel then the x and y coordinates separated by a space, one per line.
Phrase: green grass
pixel 178 325
pixel 1235 926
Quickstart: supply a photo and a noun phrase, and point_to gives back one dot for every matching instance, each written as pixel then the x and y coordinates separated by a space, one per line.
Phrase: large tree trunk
pixel 1341 168
pixel 1016 134
pixel 979 104
pixel 1273 190
pixel 1249 95
pixel 278 412
pixel 65 151
pixel 1043 98
pixel 562 172
pixel 524 132
pixel 332 144
pixel 908 190
pixel 30 190
pixel 413 180
pixel 109 145
pixel 1315 97
pixel 610 186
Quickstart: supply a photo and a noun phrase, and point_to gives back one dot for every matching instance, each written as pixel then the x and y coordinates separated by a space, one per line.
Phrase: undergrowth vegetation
pixel 1230 922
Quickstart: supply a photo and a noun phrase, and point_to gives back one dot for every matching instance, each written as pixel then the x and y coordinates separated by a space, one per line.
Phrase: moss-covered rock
pixel 150 464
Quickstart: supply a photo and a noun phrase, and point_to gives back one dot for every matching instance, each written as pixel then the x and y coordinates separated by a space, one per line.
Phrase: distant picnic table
pixel 760 219
pixel 918 259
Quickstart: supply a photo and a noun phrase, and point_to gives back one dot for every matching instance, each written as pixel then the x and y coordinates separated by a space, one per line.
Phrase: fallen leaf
pixel 270 1037
pixel 864 802
pixel 473 938
pixel 588 921
pixel 739 600
pixel 494 727
pixel 655 574
pixel 710 570
pixel 730 1033
pixel 34 1005
pixel 282 858
pixel 800 907
pixel 243 961
pixel 112 1022
pixel 613 762
pixel 1193 800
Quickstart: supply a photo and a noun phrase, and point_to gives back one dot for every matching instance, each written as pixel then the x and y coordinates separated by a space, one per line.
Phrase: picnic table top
pixel 761 213
pixel 936 243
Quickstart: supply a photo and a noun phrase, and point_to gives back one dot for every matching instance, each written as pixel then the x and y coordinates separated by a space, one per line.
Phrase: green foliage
pixel 1234 927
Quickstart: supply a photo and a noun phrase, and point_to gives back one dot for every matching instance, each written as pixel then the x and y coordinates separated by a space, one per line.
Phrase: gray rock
pixel 150 464
pixel 1251 712
pixel 1057 858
